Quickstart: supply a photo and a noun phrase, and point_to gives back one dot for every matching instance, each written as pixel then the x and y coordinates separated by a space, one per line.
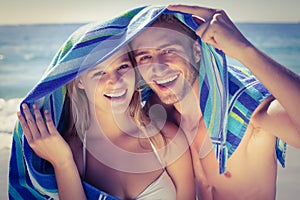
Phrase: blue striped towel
pixel 31 178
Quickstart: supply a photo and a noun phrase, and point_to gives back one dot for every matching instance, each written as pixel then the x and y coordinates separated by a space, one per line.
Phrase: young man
pixel 166 58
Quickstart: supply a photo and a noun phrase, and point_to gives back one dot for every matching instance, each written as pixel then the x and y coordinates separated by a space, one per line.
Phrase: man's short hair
pixel 171 19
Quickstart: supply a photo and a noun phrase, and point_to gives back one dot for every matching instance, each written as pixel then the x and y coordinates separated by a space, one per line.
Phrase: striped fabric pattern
pixel 32 178
pixel 228 97
pixel 245 94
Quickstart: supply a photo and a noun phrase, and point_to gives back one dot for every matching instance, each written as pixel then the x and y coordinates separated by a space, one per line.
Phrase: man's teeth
pixel 172 78
pixel 116 94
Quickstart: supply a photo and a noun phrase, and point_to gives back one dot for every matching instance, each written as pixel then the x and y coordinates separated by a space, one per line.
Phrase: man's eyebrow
pixel 145 50
pixel 140 53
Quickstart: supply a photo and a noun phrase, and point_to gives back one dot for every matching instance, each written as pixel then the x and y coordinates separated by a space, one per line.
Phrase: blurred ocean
pixel 26 51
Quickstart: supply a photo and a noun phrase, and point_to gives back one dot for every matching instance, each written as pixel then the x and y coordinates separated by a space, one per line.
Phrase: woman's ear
pixel 197 51
pixel 79 84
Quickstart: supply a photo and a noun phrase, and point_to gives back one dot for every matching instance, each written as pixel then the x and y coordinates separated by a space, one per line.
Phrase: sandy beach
pixel 5 144
pixel 288 181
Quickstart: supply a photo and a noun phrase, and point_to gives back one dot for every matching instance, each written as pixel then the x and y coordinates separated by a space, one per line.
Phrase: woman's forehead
pixel 118 57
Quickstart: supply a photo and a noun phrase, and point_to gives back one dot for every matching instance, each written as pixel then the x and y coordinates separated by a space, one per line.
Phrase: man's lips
pixel 166 82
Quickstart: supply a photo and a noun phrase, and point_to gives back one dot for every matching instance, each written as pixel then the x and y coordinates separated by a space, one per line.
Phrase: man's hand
pixel 217 29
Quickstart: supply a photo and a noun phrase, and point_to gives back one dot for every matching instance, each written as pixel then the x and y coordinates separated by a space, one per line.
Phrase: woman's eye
pixel 100 73
pixel 125 66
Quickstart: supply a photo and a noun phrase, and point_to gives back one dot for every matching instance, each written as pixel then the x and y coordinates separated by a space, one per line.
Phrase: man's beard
pixel 172 97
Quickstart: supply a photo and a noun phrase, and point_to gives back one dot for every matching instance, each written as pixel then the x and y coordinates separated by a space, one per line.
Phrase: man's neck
pixel 189 109
pixel 189 105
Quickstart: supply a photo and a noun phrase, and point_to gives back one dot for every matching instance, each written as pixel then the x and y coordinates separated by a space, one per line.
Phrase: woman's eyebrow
pixel 101 67
pixel 125 59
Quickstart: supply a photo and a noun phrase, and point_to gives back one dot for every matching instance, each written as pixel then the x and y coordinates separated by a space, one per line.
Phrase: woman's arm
pixel 47 143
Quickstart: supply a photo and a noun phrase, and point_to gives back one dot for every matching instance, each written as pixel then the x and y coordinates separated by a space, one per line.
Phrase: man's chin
pixel 170 99
pixel 168 96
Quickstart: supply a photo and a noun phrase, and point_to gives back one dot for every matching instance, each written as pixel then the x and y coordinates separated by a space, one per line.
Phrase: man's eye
pixel 145 58
pixel 168 51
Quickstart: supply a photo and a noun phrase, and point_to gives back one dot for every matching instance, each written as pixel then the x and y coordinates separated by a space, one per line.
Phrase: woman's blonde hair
pixel 77 110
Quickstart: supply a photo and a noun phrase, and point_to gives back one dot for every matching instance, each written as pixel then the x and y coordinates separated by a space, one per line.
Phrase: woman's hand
pixel 47 143
pixel 43 136
pixel 217 29
pixel 205 190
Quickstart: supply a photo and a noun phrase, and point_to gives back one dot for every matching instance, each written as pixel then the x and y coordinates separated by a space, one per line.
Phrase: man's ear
pixel 79 84
pixel 197 51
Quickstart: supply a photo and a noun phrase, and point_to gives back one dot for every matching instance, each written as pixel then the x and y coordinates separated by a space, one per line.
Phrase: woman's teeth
pixel 116 94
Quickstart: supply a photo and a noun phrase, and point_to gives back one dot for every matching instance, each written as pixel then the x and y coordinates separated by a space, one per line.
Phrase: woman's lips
pixel 116 94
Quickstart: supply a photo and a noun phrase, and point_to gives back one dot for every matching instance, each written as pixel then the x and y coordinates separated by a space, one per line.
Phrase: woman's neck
pixel 112 124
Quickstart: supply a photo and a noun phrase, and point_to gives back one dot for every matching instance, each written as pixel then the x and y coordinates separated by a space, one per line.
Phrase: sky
pixel 75 11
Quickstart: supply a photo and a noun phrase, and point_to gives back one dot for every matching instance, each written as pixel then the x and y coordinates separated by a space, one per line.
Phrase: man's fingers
pixel 198 19
pixel 205 13
pixel 202 29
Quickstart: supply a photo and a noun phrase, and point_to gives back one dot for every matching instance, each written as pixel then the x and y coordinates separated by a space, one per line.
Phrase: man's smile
pixel 166 82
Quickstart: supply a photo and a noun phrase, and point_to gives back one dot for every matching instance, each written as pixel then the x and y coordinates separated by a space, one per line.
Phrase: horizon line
pixel 87 22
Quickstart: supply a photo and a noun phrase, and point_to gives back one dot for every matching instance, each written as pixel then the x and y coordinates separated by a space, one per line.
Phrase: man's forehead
pixel 163 28
pixel 153 36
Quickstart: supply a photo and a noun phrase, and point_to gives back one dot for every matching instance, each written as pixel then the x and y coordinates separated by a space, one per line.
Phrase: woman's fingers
pixel 35 127
pixel 43 136
pixel 25 127
pixel 198 169
pixel 40 121
pixel 50 124
pixel 31 122
pixel 205 189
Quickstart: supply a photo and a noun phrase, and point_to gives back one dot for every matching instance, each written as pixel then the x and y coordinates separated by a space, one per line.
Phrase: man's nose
pixel 159 64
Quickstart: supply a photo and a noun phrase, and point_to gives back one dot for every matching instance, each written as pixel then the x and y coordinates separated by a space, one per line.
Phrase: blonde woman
pixel 109 142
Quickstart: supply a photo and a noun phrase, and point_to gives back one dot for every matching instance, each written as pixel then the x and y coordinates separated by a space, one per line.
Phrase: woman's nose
pixel 115 78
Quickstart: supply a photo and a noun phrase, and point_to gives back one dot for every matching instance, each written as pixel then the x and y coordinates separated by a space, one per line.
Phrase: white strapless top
pixel 162 188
